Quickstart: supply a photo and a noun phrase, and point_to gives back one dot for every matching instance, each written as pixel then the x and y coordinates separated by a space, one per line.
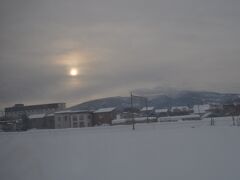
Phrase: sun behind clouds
pixel 73 72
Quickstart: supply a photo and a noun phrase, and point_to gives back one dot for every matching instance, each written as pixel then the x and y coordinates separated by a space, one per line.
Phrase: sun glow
pixel 75 63
pixel 73 72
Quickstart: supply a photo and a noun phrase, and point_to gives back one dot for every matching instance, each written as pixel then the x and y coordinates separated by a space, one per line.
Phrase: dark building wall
pixel 36 123
pixel 238 109
pixel 104 118
pixel 229 109
pixel 48 122
pixel 42 123
pixel 163 114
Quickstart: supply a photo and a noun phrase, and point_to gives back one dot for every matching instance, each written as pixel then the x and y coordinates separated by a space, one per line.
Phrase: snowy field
pixel 189 150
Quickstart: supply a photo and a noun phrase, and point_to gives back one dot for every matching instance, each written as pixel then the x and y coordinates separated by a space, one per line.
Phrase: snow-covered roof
pixel 63 112
pixel 81 111
pixel 161 110
pixel 36 116
pixel 147 109
pixel 181 108
pixel 139 119
pixel 48 115
pixel 104 110
pixel 72 111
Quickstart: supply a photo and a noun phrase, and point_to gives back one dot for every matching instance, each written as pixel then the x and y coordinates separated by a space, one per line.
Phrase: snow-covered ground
pixel 184 150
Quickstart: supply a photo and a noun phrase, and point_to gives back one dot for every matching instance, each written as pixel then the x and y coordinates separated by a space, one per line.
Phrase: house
pixel 49 122
pixel 36 121
pixel 231 109
pixel 147 111
pixel 206 108
pixel 201 109
pixel 237 105
pixel 9 124
pixel 129 112
pixel 126 115
pixel 161 112
pixel 180 110
pixel 41 121
pixel 73 119
pixel 104 116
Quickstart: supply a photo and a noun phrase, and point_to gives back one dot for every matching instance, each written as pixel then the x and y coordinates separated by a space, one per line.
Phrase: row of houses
pixel 176 110
pixel 220 109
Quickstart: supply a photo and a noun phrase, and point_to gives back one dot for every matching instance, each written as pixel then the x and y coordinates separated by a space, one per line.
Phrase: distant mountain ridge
pixel 162 99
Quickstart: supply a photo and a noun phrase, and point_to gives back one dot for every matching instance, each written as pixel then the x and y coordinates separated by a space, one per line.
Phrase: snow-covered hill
pixel 161 99
pixel 174 151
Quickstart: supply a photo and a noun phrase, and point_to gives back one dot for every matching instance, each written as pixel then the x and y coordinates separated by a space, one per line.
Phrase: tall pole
pixel 133 123
pixel 146 101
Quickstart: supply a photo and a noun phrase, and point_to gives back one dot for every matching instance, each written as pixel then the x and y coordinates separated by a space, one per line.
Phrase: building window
pixel 74 118
pixel 65 117
pixel 82 124
pixel 75 124
pixel 80 117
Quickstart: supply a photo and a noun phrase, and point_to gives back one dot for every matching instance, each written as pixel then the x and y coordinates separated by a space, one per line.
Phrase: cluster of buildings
pixel 173 111
pixel 56 116
pixel 176 113
pixel 213 109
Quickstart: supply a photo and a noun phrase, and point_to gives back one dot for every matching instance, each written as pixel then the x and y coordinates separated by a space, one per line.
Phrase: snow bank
pixel 129 120
pixel 177 118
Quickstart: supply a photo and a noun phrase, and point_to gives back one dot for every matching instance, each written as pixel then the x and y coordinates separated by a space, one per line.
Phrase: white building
pixel 201 109
pixel 73 119
pixel 162 112
pixel 180 109
pixel 144 109
pixel 147 110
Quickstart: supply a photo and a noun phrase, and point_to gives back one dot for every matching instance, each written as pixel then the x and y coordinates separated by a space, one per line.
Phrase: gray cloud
pixel 117 46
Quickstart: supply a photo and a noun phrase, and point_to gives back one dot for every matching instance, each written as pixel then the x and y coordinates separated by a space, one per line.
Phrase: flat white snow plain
pixel 190 150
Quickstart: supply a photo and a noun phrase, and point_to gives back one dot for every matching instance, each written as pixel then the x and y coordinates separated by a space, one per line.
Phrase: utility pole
pixel 146 102
pixel 133 123
pixel 212 121
pixel 233 118
pixel 238 120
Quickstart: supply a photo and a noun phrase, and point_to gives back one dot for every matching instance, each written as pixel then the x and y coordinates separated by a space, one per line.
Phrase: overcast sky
pixel 116 46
